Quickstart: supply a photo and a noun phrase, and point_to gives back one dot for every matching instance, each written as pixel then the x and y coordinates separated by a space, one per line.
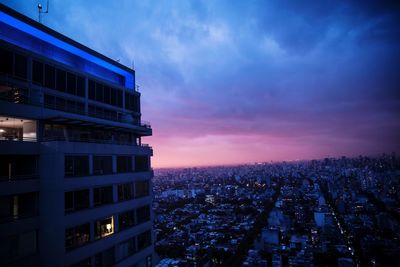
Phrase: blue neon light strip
pixel 13 22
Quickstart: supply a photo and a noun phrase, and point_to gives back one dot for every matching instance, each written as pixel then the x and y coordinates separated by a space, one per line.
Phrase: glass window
pixel 60 103
pixel 119 98
pixel 142 189
pixel 76 166
pixel 102 165
pixel 104 227
pixel 71 83
pixel 125 249
pixel 80 86
pixel 126 220
pixel 99 92
pixel 76 200
pixel 37 72
pixel 124 164
pixel 14 207
pixel 105 258
pixel 18 167
pixel 18 246
pixel 141 163
pixel 107 94
pixel 125 192
pixel 49 101
pixel 20 66
pixel 92 90
pixel 143 214
pixel 113 96
pixel 6 65
pixel 61 83
pixel 77 236
pixel 144 240
pixel 83 263
pixel 146 262
pixel 102 195
pixel 49 76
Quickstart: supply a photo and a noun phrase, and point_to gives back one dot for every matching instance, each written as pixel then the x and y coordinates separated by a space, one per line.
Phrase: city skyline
pixel 250 82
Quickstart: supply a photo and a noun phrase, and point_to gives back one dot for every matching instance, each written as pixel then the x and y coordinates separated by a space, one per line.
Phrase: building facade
pixel 75 178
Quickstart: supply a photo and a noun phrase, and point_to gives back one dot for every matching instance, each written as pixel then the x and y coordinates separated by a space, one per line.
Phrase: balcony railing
pixel 18 177
pixel 18 139
pixel 92 140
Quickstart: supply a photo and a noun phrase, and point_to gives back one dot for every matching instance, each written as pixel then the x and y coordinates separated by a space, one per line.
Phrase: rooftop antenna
pixel 40 11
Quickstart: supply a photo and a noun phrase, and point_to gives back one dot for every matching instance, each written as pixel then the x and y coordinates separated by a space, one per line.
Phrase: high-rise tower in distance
pixel 75 178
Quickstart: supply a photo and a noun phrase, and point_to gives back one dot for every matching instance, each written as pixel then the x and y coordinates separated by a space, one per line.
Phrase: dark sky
pixel 243 81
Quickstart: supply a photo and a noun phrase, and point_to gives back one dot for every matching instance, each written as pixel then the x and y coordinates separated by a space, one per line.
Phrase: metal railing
pixel 18 177
pixel 92 140
pixel 18 139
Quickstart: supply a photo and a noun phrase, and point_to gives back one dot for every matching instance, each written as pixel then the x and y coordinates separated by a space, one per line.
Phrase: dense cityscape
pixel 331 212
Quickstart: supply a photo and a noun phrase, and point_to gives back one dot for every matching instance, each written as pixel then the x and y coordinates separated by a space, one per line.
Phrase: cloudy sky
pixel 228 82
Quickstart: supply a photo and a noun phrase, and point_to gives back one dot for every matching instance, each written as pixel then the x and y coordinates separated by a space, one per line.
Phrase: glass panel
pixel 6 65
pixel 143 214
pixel 61 83
pixel 126 220
pixel 80 86
pixel 49 76
pixel 71 83
pixel 102 195
pixel 20 66
pixel 37 72
pixel 104 227
pixel 92 90
pixel 142 188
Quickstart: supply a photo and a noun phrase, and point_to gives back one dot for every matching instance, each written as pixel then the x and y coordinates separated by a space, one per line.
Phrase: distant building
pixel 75 179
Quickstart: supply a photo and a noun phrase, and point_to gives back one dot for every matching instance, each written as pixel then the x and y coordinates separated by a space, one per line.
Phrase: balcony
pixel 18 167
pixel 17 129
pixel 92 140
pixel 42 97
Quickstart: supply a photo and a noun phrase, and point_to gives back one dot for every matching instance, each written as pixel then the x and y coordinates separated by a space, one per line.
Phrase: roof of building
pixel 11 12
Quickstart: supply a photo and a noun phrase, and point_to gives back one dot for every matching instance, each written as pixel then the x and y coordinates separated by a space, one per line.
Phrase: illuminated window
pixel 104 227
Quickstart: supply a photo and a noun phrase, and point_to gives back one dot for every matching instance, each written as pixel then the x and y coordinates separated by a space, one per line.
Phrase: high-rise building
pixel 75 178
